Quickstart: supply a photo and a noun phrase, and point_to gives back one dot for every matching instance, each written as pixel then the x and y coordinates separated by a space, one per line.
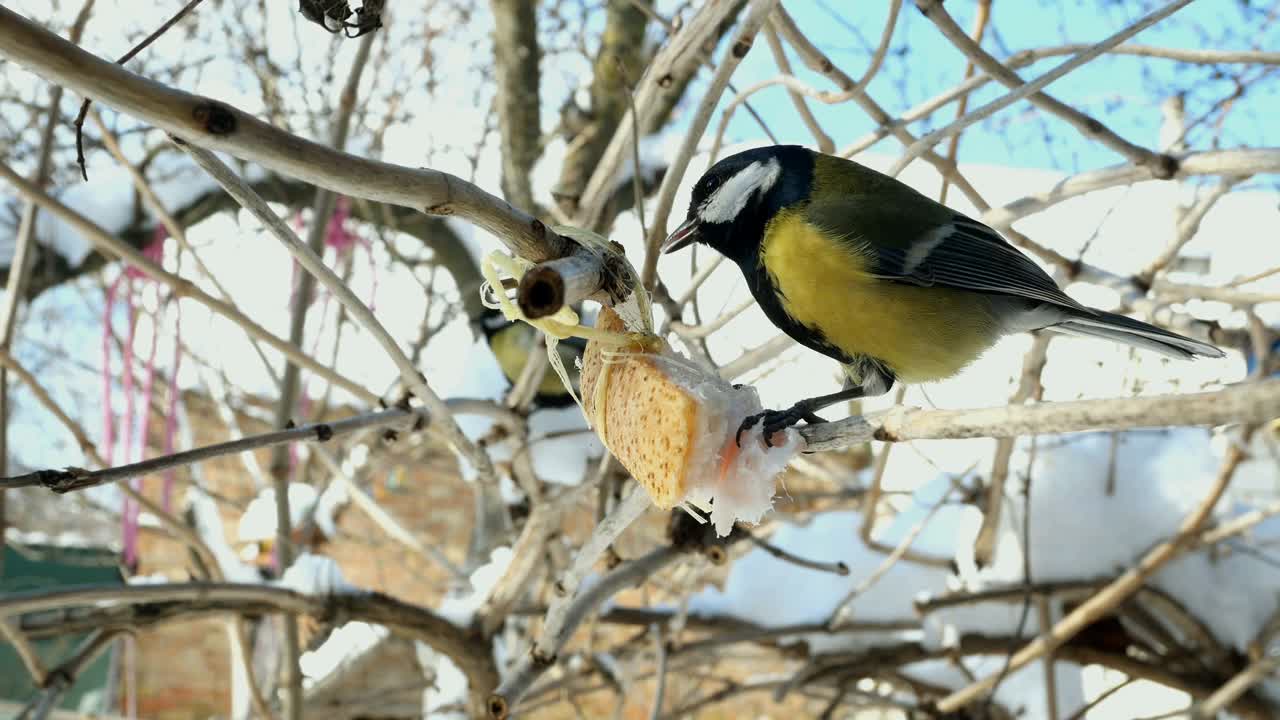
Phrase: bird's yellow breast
pixel 921 333
pixel 512 347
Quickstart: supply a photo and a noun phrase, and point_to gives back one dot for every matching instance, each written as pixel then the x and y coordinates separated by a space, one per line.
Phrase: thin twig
pixel 1102 697
pixel 1162 165
pixel 1223 163
pixel 660 670
pixel 637 183
pixel 70 479
pixel 1240 524
pixel 619 519
pixel 693 332
pixel 175 229
pixel 113 246
pixel 818 61
pixel 64 676
pixel 838 567
pixel 882 50
pixel 238 635
pixel 84 107
pixel 1187 226
pixel 1115 592
pixel 1045 617
pixel 179 529
pixel 980 20
pixel 384 520
pixel 1256 672
pixel 442 418
pixel 1029 387
pixel 844 609
pixel 757 13
pixel 20 265
pixel 570 607
pixel 661 72
pixel 820 137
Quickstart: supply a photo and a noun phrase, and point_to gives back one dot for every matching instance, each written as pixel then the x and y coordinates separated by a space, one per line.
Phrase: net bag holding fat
pixel 672 425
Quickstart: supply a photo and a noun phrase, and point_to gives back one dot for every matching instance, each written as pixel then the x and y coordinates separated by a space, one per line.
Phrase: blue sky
pixel 1122 92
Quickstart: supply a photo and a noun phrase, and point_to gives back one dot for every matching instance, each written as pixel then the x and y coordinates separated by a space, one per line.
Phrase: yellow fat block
pixel 645 419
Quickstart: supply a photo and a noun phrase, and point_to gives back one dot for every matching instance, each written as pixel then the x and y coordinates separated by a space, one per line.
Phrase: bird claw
pixel 773 421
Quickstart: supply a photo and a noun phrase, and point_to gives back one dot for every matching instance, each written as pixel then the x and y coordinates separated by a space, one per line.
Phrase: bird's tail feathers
pixel 1121 329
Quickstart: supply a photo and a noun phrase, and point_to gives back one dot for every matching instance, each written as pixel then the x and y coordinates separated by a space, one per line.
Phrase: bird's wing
pixel 929 245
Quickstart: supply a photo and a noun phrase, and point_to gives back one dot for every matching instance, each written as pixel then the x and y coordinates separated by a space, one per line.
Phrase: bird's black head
pixel 734 200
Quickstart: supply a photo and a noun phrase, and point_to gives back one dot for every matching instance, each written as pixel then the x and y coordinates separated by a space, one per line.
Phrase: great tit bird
pixel 891 284
pixel 512 343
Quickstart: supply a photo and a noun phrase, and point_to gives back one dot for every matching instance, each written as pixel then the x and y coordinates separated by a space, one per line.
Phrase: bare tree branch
pixel 72 479
pixel 757 12
pixel 409 375
pixel 1245 403
pixel 516 56
pixel 1116 592
pixel 181 286
pixel 137 606
pixel 621 51
pixel 217 126
pixel 1161 166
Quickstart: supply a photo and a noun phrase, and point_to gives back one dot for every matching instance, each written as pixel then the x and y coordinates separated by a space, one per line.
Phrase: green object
pixel 42 567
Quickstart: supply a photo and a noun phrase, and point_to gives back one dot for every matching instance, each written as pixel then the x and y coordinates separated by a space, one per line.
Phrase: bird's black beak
pixel 683 236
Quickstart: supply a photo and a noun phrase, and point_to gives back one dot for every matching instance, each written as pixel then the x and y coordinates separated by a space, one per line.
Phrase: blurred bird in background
pixel 513 342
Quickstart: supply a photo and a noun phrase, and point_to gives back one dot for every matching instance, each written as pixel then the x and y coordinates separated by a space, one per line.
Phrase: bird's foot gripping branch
pixel 672 423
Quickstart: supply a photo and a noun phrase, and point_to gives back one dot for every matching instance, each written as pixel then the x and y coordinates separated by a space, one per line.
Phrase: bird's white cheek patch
pixel 725 203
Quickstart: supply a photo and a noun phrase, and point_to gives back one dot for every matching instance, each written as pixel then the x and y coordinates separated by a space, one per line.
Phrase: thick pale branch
pixel 1225 163
pixel 1199 56
pixel 1245 403
pixel 549 286
pixel 532 665
pixel 218 126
